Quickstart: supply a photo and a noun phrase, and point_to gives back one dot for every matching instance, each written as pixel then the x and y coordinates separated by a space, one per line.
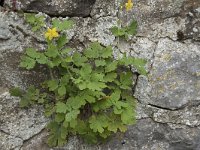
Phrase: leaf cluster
pixel 125 31
pixel 36 21
pixel 91 94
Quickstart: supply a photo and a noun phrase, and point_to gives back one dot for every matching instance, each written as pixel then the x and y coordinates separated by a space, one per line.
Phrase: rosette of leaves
pixel 91 95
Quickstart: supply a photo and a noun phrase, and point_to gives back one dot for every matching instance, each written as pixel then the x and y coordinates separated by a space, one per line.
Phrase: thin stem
pixel 51 73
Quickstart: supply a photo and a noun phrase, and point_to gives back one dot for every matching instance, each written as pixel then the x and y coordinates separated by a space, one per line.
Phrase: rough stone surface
pixel 18 124
pixel 168 99
pixel 174 79
pixel 54 8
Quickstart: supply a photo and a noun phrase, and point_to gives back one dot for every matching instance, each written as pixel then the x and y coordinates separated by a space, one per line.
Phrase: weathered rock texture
pixel 53 7
pixel 168 99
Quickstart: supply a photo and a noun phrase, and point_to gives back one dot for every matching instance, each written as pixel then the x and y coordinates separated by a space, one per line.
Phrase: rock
pixel 8 141
pixel 5 34
pixel 174 79
pixel 37 142
pixel 18 124
pixel 168 99
pixel 147 135
pixel 104 8
pixel 187 116
pixel 164 18
pixel 73 8
pixel 90 30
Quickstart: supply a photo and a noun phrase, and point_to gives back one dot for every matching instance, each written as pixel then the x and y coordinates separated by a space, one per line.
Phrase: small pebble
pixel 195 30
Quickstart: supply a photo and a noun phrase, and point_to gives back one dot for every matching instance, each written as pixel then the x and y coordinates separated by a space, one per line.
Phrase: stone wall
pixel 168 109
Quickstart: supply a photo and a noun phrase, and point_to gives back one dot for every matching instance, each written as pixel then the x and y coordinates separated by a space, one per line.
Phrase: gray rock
pixel 19 124
pixel 54 8
pixel 90 30
pixel 103 8
pixel 164 18
pixel 8 142
pixel 188 116
pixel 37 142
pixel 174 79
pixel 4 32
pixel 146 135
pixel 168 99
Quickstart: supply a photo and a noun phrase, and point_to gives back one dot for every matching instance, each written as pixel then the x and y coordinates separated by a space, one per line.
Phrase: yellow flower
pixel 51 33
pixel 129 5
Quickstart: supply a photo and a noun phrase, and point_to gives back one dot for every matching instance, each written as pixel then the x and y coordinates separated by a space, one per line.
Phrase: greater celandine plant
pixel 89 93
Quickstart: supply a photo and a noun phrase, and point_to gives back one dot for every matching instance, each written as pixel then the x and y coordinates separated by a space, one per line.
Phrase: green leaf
pixel 49 110
pixel 98 123
pixel 78 59
pixel 56 61
pixel 72 115
pixel 66 51
pixel 31 52
pixel 96 86
pixel 120 106
pixel 132 28
pixel 96 46
pixel 111 67
pixel 126 80
pixel 82 127
pixel 52 84
pixel 105 134
pixel 61 107
pixel 86 71
pixel 110 77
pixel 62 40
pixel 87 96
pixel 59 117
pixel 90 53
pixel 90 138
pixel 107 52
pixel 97 77
pixel 30 18
pixel 27 62
pixel 128 116
pixel 57 135
pixel 115 96
pixel 73 123
pixel 36 21
pixel 16 92
pixel 35 28
pixel 62 90
pixel 113 126
pixel 42 59
pixel 117 31
pixel 62 25
pixel 139 64
pixel 52 51
pixel 30 97
pixel 100 63
pixel 65 80
pixel 76 102
pixel 63 133
pixel 82 85
pixel 42 98
pixel 53 138
pixel 93 51
pixel 103 104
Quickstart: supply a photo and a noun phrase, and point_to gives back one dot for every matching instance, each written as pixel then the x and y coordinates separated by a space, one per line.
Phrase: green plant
pixel 125 31
pixel 36 21
pixel 89 93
